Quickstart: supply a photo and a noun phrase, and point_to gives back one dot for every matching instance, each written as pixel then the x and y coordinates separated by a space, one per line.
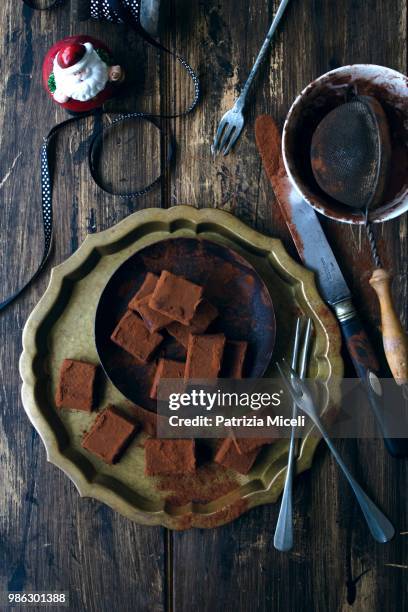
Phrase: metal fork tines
pixel 283 538
pixel 229 129
pixel 230 126
pixel 380 527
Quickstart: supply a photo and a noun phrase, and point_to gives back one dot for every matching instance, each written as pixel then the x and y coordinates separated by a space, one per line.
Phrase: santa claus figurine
pixel 80 74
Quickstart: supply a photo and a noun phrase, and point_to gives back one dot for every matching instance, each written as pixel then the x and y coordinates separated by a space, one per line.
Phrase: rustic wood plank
pixel 50 538
pixel 236 566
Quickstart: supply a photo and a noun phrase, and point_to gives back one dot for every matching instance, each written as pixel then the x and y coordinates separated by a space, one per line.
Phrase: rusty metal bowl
pixel 244 303
pixel 324 94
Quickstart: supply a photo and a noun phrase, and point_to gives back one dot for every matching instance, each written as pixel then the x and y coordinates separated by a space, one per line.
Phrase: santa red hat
pixel 73 57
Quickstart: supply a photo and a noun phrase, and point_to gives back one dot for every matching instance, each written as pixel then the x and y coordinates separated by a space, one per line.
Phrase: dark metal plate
pixel 231 284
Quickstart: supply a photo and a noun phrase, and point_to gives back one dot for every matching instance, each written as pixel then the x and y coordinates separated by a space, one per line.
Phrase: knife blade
pixel 314 249
pixel 304 226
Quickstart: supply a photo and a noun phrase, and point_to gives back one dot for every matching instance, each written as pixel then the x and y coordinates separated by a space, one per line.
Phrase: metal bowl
pixel 245 308
pixel 317 100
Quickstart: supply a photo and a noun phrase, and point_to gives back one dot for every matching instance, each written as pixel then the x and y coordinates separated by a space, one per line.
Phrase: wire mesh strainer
pixel 350 158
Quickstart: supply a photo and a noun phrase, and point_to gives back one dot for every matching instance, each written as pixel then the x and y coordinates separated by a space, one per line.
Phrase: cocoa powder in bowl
pixel 327 92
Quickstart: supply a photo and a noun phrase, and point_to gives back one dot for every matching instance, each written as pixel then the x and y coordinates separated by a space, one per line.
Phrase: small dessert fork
pixel 230 126
pixel 380 527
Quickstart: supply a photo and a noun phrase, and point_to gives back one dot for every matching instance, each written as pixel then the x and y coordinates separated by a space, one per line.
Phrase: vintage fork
pixel 380 527
pixel 283 538
pixel 230 126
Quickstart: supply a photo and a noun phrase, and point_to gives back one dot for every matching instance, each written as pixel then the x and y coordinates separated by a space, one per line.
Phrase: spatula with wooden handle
pixel 350 158
pixel 394 336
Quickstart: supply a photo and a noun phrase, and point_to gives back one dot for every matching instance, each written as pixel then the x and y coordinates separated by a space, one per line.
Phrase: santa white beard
pixel 85 86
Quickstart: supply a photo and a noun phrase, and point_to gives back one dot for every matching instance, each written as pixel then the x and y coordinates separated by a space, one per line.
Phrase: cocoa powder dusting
pixel 216 519
pixel 269 142
pixel 209 483
pixel 226 515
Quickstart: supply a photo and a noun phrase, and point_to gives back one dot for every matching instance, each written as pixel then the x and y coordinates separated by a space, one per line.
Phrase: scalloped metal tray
pixel 62 325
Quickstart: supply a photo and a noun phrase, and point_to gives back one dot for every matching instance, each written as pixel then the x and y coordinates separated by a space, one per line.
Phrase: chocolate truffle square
pixel 204 316
pixel 146 289
pixel 109 435
pixel 204 356
pixel 228 456
pixel 166 368
pixel 176 297
pixel 132 335
pixel 76 385
pixel 153 319
pixel 234 357
pixel 146 419
pixel 165 457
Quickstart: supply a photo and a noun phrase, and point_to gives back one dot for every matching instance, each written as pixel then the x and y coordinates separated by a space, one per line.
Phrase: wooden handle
pixel 365 362
pixel 394 336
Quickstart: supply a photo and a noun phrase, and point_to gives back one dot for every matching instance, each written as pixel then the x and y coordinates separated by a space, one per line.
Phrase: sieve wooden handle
pixel 394 336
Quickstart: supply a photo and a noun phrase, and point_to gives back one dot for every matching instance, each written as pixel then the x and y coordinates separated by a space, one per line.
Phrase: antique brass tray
pixel 62 325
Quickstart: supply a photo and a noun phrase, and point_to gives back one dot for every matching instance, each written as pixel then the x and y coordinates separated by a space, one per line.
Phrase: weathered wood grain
pixel 236 567
pixel 51 539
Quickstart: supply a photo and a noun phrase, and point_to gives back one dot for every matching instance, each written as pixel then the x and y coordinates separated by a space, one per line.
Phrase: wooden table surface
pixel 50 538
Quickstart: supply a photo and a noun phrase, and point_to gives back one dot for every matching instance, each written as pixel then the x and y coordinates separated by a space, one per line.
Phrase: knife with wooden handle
pixel 315 251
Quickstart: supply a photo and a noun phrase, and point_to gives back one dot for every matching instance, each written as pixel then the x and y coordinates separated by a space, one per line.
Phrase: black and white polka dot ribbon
pixel 117 11
pixel 128 11
pixel 93 152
